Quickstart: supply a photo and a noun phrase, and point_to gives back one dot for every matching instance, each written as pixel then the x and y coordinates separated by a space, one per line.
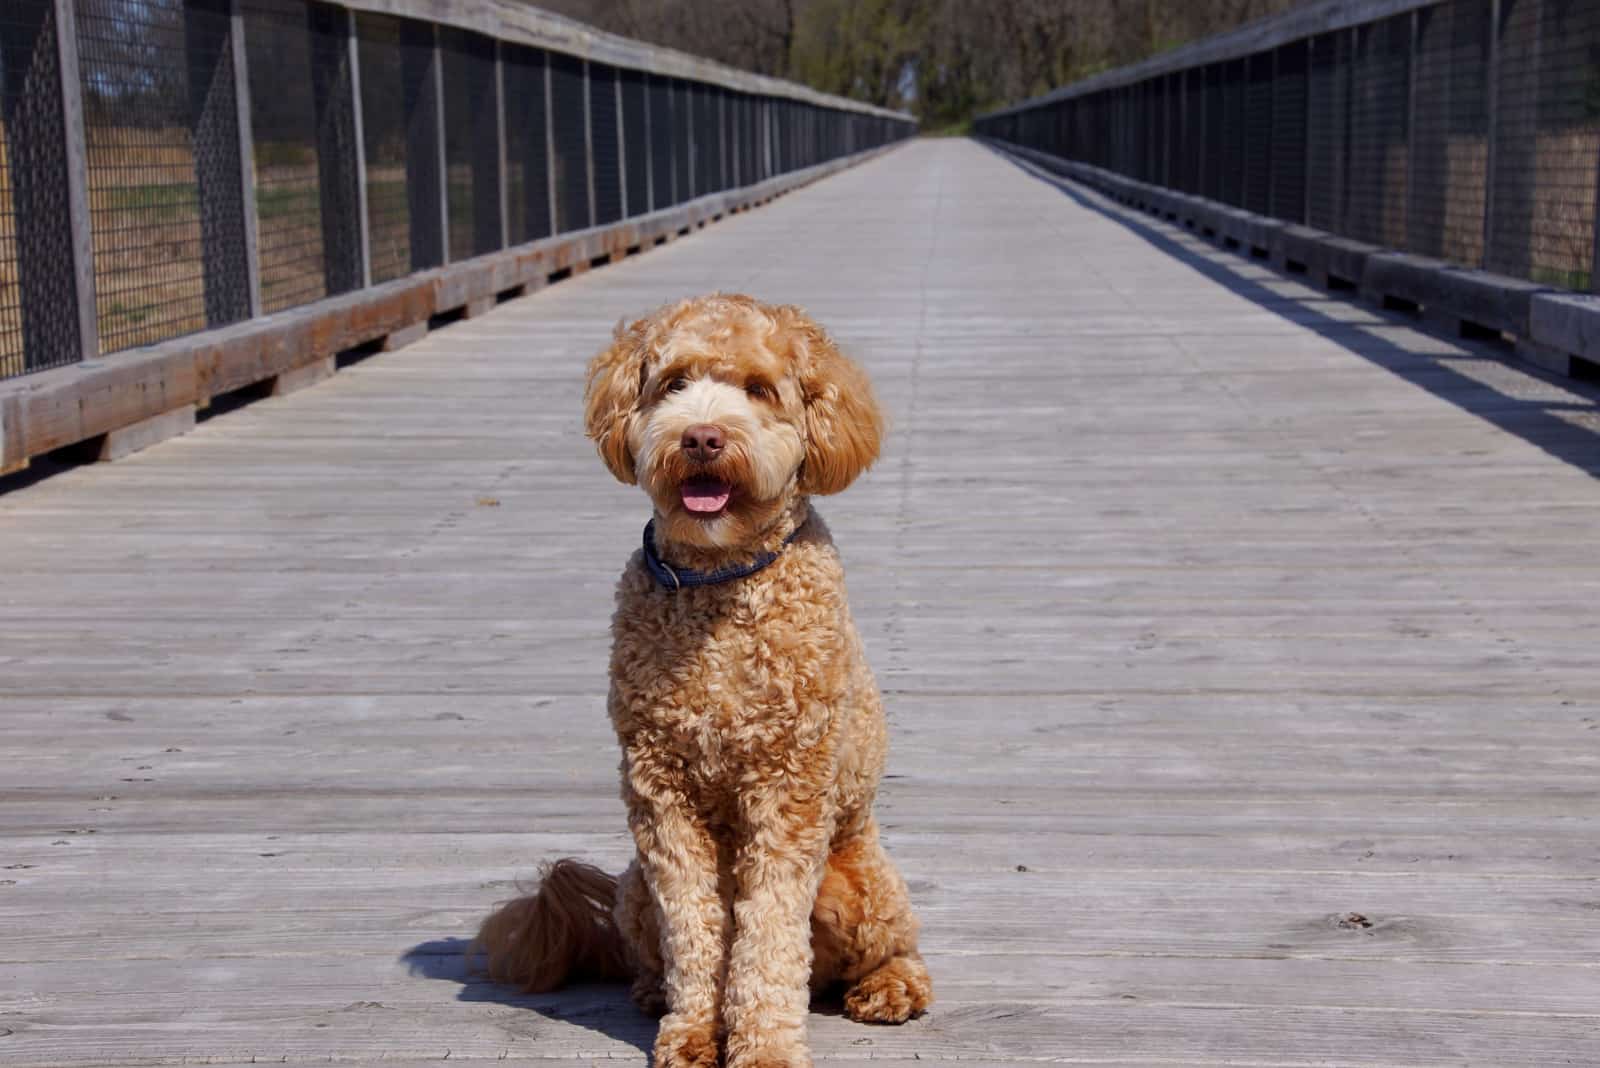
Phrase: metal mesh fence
pixel 283 127
pixel 1379 136
pixel 663 145
pixel 1547 142
pixel 384 105
pixel 1289 99
pixel 527 158
pixel 605 149
pixel 1438 128
pixel 1451 128
pixel 570 141
pixel 165 197
pixel 38 323
pixel 636 141
pixel 240 157
pixel 471 139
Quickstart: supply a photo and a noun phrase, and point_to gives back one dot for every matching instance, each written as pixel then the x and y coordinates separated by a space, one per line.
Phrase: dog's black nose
pixel 703 442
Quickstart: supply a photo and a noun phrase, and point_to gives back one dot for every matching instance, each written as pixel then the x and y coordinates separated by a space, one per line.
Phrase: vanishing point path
pixel 1242 650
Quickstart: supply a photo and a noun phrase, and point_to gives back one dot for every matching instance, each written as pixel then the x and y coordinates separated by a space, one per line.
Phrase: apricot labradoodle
pixel 751 728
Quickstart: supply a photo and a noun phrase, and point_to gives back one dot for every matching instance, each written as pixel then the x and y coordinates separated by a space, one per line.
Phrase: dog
pixel 752 731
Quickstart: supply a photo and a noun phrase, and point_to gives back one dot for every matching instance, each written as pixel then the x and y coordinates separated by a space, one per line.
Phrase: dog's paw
pixel 789 1056
pixel 894 993
pixel 681 1044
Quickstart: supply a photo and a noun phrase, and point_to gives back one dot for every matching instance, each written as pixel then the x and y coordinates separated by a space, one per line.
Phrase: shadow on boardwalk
pixel 604 1009
pixel 1534 421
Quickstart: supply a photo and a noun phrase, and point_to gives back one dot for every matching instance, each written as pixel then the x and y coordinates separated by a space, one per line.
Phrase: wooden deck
pixel 1240 646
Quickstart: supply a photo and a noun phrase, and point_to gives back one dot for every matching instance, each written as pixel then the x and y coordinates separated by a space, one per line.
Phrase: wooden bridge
pixel 1238 641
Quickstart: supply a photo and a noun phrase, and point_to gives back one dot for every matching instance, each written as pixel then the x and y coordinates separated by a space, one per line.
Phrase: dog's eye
pixel 677 385
pixel 758 391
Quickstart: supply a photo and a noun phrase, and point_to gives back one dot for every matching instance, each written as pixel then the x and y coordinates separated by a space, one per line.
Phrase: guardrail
pixel 174 166
pixel 1441 156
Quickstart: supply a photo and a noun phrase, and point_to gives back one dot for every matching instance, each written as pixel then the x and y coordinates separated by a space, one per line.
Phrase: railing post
pixel 588 137
pixel 1412 61
pixel 1491 137
pixel 550 142
pixel 622 142
pixel 359 135
pixel 219 125
pixel 1594 266
pixel 502 164
pixel 649 141
pixel 340 178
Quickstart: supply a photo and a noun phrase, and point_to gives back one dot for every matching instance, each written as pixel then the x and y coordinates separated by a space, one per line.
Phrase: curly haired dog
pixel 752 731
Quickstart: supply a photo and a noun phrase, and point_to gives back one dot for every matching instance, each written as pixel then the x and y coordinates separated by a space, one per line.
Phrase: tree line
pixel 943 60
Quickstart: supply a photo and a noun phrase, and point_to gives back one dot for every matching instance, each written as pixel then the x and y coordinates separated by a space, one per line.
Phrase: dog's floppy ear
pixel 615 377
pixel 844 426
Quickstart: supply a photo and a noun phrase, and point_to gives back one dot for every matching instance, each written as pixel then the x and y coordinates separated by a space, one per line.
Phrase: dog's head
pixel 723 408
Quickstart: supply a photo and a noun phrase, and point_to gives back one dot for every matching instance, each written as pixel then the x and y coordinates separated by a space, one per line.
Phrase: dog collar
pixel 672 579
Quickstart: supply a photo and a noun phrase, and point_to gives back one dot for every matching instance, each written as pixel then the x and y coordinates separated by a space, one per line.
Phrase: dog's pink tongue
pixel 706 495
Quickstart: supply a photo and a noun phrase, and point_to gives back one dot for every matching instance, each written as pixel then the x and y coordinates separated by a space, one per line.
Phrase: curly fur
pixel 751 729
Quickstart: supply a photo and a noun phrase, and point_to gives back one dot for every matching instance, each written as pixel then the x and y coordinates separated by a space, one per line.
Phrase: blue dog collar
pixel 672 579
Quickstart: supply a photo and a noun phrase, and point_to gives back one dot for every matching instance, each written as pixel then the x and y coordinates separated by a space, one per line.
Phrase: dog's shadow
pixel 603 1009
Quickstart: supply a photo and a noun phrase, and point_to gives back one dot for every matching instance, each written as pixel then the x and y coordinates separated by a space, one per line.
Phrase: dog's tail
pixel 563 931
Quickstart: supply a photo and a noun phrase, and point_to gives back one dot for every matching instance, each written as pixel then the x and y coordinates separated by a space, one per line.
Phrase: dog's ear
pixel 615 378
pixel 844 426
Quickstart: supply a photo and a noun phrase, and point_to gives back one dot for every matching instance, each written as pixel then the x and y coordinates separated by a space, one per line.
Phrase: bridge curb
pixel 1556 329
pixel 78 405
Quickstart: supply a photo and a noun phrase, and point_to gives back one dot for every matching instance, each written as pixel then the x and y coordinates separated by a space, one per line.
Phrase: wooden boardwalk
pixel 1240 646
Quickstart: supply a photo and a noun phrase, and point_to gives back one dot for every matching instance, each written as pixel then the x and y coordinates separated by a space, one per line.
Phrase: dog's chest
pixel 726 679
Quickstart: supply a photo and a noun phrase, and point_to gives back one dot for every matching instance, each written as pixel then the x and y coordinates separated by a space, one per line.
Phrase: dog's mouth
pixel 705 496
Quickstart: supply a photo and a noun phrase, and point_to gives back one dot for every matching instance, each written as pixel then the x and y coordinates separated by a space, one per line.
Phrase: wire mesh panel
pixel 165 192
pixel 570 139
pixel 1289 100
pixel 38 301
pixel 1211 176
pixel 283 124
pixel 604 146
pixel 1258 133
pixel 471 138
pixel 1328 121
pixel 664 147
pixel 1547 142
pixel 527 162
pixel 401 142
pixel 1379 135
pixel 636 140
pixel 1451 131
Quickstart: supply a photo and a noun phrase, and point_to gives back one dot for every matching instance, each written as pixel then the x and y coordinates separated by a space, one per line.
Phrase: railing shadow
pixel 1534 421
pixel 603 1009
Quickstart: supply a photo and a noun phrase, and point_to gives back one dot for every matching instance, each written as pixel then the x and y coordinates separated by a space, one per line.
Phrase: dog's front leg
pixel 782 853
pixel 679 859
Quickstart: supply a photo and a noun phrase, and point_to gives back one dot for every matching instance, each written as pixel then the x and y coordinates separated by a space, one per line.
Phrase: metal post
pixel 622 143
pixel 436 66
pixel 502 167
pixel 649 143
pixel 1492 135
pixel 550 141
pixel 588 139
pixel 1411 128
pixel 360 148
